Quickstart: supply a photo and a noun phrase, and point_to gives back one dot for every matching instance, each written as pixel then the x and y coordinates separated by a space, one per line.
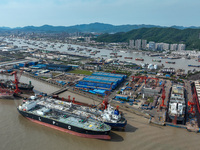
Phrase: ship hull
pixel 26 88
pixel 65 127
pixel 6 96
pixel 121 124
pixel 181 118
pixel 117 125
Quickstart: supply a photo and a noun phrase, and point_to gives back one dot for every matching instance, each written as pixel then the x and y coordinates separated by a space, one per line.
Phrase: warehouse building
pixel 100 80
pixel 57 67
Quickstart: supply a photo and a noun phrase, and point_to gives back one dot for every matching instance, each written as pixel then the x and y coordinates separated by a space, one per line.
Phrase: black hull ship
pixel 64 117
pixel 10 84
pixel 105 113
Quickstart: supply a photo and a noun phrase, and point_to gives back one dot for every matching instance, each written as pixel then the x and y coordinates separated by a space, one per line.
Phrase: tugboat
pixel 63 116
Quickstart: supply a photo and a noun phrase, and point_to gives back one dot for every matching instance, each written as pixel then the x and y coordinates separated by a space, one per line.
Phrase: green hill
pixel 190 37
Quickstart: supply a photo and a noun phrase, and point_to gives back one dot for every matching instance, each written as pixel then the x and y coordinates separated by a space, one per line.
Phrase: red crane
pixel 105 101
pixel 145 78
pixel 16 82
pixel 191 104
pixel 163 95
pixel 17 78
pixel 195 98
pixel 114 71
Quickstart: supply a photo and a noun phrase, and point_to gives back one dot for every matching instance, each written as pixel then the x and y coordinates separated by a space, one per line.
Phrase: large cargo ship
pixel 105 113
pixel 177 104
pixel 63 116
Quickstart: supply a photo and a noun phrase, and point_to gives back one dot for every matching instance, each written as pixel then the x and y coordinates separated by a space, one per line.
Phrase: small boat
pixel 170 62
pixel 193 65
pixel 113 53
pixel 128 57
pixel 6 93
pixel 103 55
pixel 156 60
pixel 139 59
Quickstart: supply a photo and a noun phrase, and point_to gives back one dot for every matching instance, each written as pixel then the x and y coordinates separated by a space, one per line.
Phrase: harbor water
pixel 18 133
pixel 181 63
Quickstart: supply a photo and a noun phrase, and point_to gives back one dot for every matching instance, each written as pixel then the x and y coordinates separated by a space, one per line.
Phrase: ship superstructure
pixel 64 116
pixel 105 113
pixel 177 104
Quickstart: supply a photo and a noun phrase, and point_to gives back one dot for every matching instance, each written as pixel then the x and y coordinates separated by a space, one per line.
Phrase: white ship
pixel 177 104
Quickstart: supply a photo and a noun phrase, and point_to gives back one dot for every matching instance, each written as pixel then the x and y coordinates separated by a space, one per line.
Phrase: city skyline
pixel 20 13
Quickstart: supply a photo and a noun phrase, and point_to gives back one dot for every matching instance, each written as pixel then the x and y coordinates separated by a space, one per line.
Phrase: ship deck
pixel 65 115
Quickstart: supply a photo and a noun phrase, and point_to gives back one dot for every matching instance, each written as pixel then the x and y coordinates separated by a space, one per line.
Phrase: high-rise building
pixel 159 46
pixel 144 44
pixel 138 44
pixel 165 46
pixel 131 44
pixel 173 47
pixel 181 47
pixel 162 46
pixel 152 45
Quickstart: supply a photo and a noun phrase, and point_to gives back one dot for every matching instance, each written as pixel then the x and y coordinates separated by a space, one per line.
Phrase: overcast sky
pixel 19 13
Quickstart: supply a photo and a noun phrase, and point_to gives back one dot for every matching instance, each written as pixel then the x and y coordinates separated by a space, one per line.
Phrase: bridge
pixel 59 91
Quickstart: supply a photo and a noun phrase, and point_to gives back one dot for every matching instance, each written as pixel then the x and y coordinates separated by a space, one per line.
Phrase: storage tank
pixel 155 66
pixel 150 66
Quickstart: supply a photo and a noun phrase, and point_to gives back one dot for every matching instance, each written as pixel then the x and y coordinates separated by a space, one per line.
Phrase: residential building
pixel 138 44
pixel 144 44
pixel 152 45
pixel 131 44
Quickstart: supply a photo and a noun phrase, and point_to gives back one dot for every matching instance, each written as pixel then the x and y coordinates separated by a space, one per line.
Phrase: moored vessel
pixel 193 65
pixel 6 93
pixel 170 62
pixel 128 57
pixel 156 60
pixel 139 59
pixel 106 113
pixel 177 104
pixel 63 116
pixel 11 85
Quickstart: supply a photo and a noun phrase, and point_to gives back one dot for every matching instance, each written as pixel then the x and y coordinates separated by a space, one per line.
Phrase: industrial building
pixel 57 67
pixel 168 70
pixel 149 91
pixel 101 80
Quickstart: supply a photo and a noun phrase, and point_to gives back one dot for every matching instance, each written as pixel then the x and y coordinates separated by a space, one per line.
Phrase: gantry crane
pixel 145 78
pixel 163 96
